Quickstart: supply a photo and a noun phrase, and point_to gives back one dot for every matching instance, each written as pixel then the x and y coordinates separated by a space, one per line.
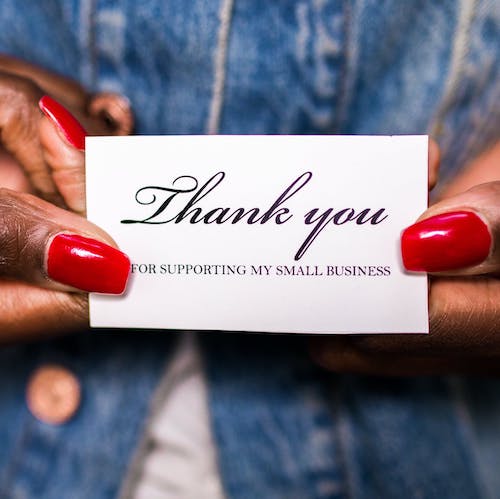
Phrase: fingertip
pixel 70 128
pixel 87 264
pixel 444 242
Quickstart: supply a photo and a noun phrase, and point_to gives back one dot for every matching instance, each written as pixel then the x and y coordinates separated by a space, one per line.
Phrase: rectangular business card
pixel 292 234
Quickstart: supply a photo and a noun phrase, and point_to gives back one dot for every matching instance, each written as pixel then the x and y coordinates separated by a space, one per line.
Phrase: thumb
pixel 459 235
pixel 52 248
pixel 62 139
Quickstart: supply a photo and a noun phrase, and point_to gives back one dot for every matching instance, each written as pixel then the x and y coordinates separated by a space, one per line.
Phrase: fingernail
pixel 87 264
pixel 447 241
pixel 64 121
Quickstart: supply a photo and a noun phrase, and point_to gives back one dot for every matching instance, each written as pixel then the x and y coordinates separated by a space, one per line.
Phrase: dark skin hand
pixel 42 193
pixel 464 305
pixel 44 176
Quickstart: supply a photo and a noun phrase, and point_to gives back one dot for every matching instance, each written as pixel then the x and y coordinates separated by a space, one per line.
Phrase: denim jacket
pixel 283 428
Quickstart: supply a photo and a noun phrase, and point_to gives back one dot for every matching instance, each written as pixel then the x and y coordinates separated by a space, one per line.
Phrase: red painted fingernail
pixel 64 120
pixel 445 242
pixel 87 264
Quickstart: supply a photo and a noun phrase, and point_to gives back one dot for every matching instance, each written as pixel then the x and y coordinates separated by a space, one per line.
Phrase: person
pixel 282 427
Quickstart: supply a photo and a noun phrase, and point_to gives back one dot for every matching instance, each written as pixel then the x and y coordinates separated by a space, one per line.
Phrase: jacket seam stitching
pixel 220 60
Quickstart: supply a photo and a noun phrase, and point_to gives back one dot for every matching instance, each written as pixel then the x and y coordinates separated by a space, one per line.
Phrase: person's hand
pixel 49 253
pixel 457 240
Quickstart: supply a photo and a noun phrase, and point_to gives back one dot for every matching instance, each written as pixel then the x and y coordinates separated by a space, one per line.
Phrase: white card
pixel 297 234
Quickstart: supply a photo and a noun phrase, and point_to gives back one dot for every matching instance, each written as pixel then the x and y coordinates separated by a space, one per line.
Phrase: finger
pixel 28 312
pixel 484 168
pixel 113 109
pixel 464 322
pixel 66 90
pixel 338 356
pixel 63 138
pixel 434 159
pixel 12 176
pixel 464 316
pixel 52 248
pixel 459 235
pixel 19 121
pixel 67 164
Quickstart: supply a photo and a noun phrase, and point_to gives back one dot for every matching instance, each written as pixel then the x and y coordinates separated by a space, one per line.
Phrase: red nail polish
pixel 64 120
pixel 445 242
pixel 87 264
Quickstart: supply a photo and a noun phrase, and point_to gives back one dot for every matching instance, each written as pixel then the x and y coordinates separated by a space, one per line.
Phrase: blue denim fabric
pixel 88 456
pixel 283 427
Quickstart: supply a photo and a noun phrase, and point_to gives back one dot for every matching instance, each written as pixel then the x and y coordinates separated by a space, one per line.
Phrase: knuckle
pixel 488 189
pixel 12 236
pixel 114 110
pixel 439 319
pixel 74 308
pixel 21 233
pixel 19 98
pixel 19 113
pixel 18 88
pixel 465 316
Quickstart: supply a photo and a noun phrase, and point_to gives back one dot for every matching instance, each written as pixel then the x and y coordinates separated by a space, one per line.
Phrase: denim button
pixel 53 394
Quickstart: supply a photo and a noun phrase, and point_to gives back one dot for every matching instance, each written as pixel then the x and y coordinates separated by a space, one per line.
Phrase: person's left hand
pixel 46 244
pixel 457 241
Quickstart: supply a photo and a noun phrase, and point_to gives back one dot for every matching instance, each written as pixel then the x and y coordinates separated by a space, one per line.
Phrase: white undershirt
pixel 177 458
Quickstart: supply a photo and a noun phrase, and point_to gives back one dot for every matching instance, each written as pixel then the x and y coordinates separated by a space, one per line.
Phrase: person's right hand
pixel 457 240
pixel 49 254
